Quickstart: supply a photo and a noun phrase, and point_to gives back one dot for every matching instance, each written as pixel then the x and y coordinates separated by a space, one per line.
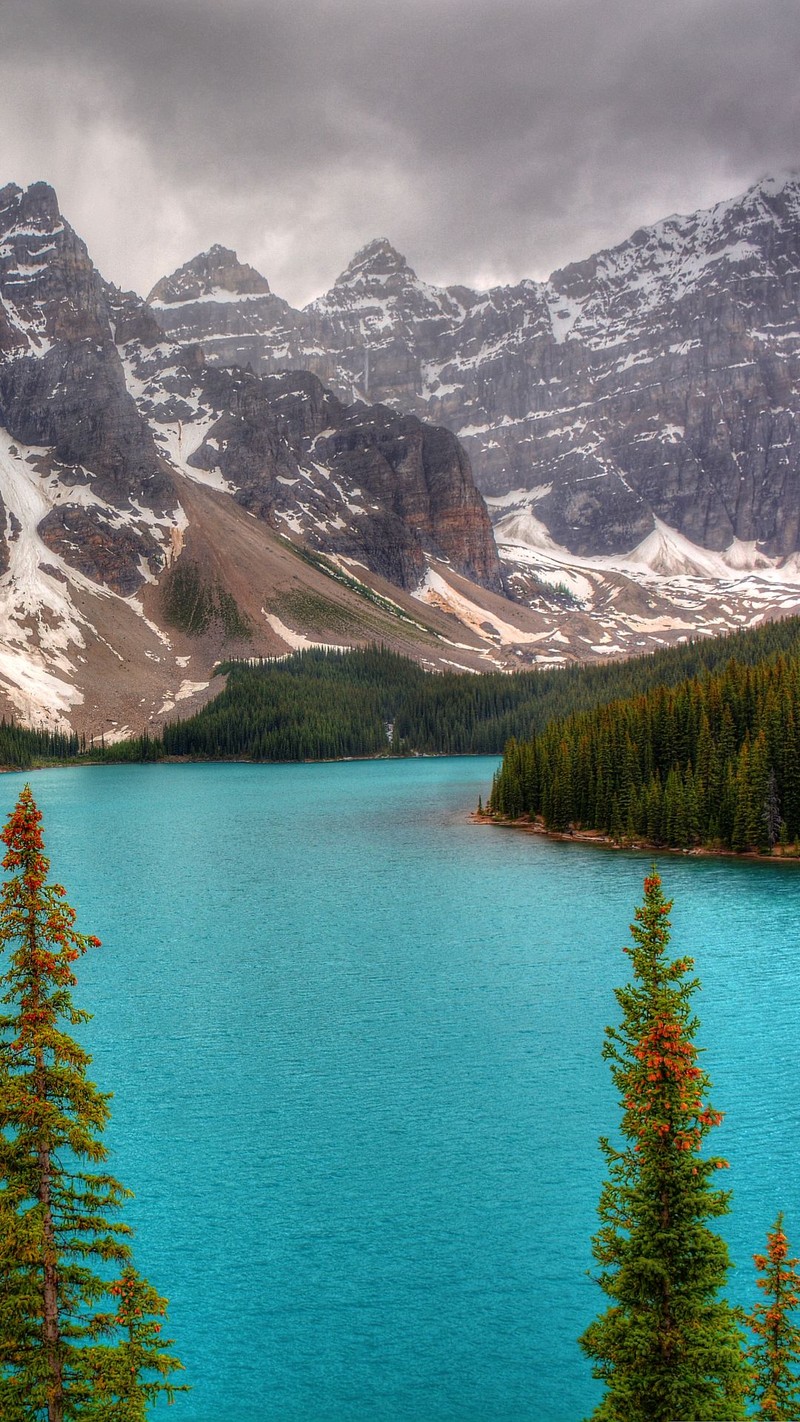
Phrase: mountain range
pixel 603 462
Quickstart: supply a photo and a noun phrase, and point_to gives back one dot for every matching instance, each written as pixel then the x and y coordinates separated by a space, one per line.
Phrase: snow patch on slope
pixel 185 690
pixel 437 592
pixel 42 632
pixel 180 441
pixel 664 553
pixel 297 640
pixel 39 623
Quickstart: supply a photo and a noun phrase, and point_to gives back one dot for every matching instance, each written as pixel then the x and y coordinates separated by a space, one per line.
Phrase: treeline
pixel 314 706
pixel 324 704
pixel 21 747
pixel 713 761
pixel 321 704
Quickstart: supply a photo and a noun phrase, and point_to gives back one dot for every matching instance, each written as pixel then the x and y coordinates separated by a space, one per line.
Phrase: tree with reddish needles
pixel 138 1370
pixel 60 1353
pixel 775 1355
pixel 668 1346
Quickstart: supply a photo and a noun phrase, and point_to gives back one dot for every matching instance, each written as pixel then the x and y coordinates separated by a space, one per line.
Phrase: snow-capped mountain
pixel 214 473
pixel 653 383
pixel 125 460
pixel 225 304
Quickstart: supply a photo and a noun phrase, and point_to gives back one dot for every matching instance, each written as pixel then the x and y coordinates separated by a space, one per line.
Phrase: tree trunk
pixel 51 1333
pixel 51 1330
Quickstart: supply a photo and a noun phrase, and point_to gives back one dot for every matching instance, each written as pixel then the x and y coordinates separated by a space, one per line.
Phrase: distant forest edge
pixel 713 761
pixel 327 705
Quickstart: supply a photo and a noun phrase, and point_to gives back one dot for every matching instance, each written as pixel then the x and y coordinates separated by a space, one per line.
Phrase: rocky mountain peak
pixel 62 385
pixel 383 294
pixel 764 204
pixel 774 188
pixel 378 261
pixel 661 271
pixel 216 274
pixel 35 207
pixel 49 289
pixel 9 204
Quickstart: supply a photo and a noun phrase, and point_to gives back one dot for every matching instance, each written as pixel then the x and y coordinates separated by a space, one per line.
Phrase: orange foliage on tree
pixel 60 1353
pixel 668 1346
pixel 775 1355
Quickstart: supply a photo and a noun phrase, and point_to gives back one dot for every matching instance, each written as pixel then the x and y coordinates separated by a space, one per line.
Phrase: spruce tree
pixel 61 1355
pixel 775 1355
pixel 668 1347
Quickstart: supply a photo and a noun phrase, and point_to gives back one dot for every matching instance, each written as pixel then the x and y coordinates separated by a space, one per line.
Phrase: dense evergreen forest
pixel 712 761
pixel 20 747
pixel 319 704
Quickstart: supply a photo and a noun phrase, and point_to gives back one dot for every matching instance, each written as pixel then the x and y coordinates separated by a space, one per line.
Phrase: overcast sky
pixel 488 139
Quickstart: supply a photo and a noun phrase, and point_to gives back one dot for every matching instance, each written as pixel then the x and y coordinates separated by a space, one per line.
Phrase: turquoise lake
pixel 354 1044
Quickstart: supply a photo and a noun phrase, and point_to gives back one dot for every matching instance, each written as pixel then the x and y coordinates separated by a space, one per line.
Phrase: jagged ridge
pixel 654 381
pixel 122 452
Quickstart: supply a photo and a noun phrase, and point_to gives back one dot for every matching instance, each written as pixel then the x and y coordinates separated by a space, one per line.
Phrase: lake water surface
pixel 354 1044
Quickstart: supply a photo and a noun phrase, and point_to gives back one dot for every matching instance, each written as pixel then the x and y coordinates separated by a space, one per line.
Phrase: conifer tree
pixel 138 1370
pixel 668 1347
pixel 61 1356
pixel 775 1355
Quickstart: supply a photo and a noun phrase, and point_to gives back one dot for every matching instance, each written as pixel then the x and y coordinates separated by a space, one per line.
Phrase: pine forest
pixel 713 761
pixel 327 704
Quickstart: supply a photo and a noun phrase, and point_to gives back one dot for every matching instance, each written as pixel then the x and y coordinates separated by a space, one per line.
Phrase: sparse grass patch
pixel 315 612
pixel 355 585
pixel 192 602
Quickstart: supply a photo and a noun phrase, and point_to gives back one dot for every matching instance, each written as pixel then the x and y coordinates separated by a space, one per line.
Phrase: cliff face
pixel 63 391
pixel 655 382
pixel 61 380
pixel 362 482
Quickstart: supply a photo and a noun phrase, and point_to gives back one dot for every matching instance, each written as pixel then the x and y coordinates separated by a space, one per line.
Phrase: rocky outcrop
pixel 362 481
pixel 63 387
pixel 97 544
pixel 417 479
pixel 653 382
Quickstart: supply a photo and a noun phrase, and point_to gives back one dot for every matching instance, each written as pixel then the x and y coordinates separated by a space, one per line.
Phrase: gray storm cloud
pixel 488 139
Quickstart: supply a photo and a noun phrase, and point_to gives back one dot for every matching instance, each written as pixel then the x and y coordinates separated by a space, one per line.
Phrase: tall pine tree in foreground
pixel 668 1346
pixel 63 1357
pixel 775 1355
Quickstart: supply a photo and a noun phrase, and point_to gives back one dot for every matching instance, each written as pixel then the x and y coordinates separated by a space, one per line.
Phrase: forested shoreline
pixel 328 705
pixel 713 762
